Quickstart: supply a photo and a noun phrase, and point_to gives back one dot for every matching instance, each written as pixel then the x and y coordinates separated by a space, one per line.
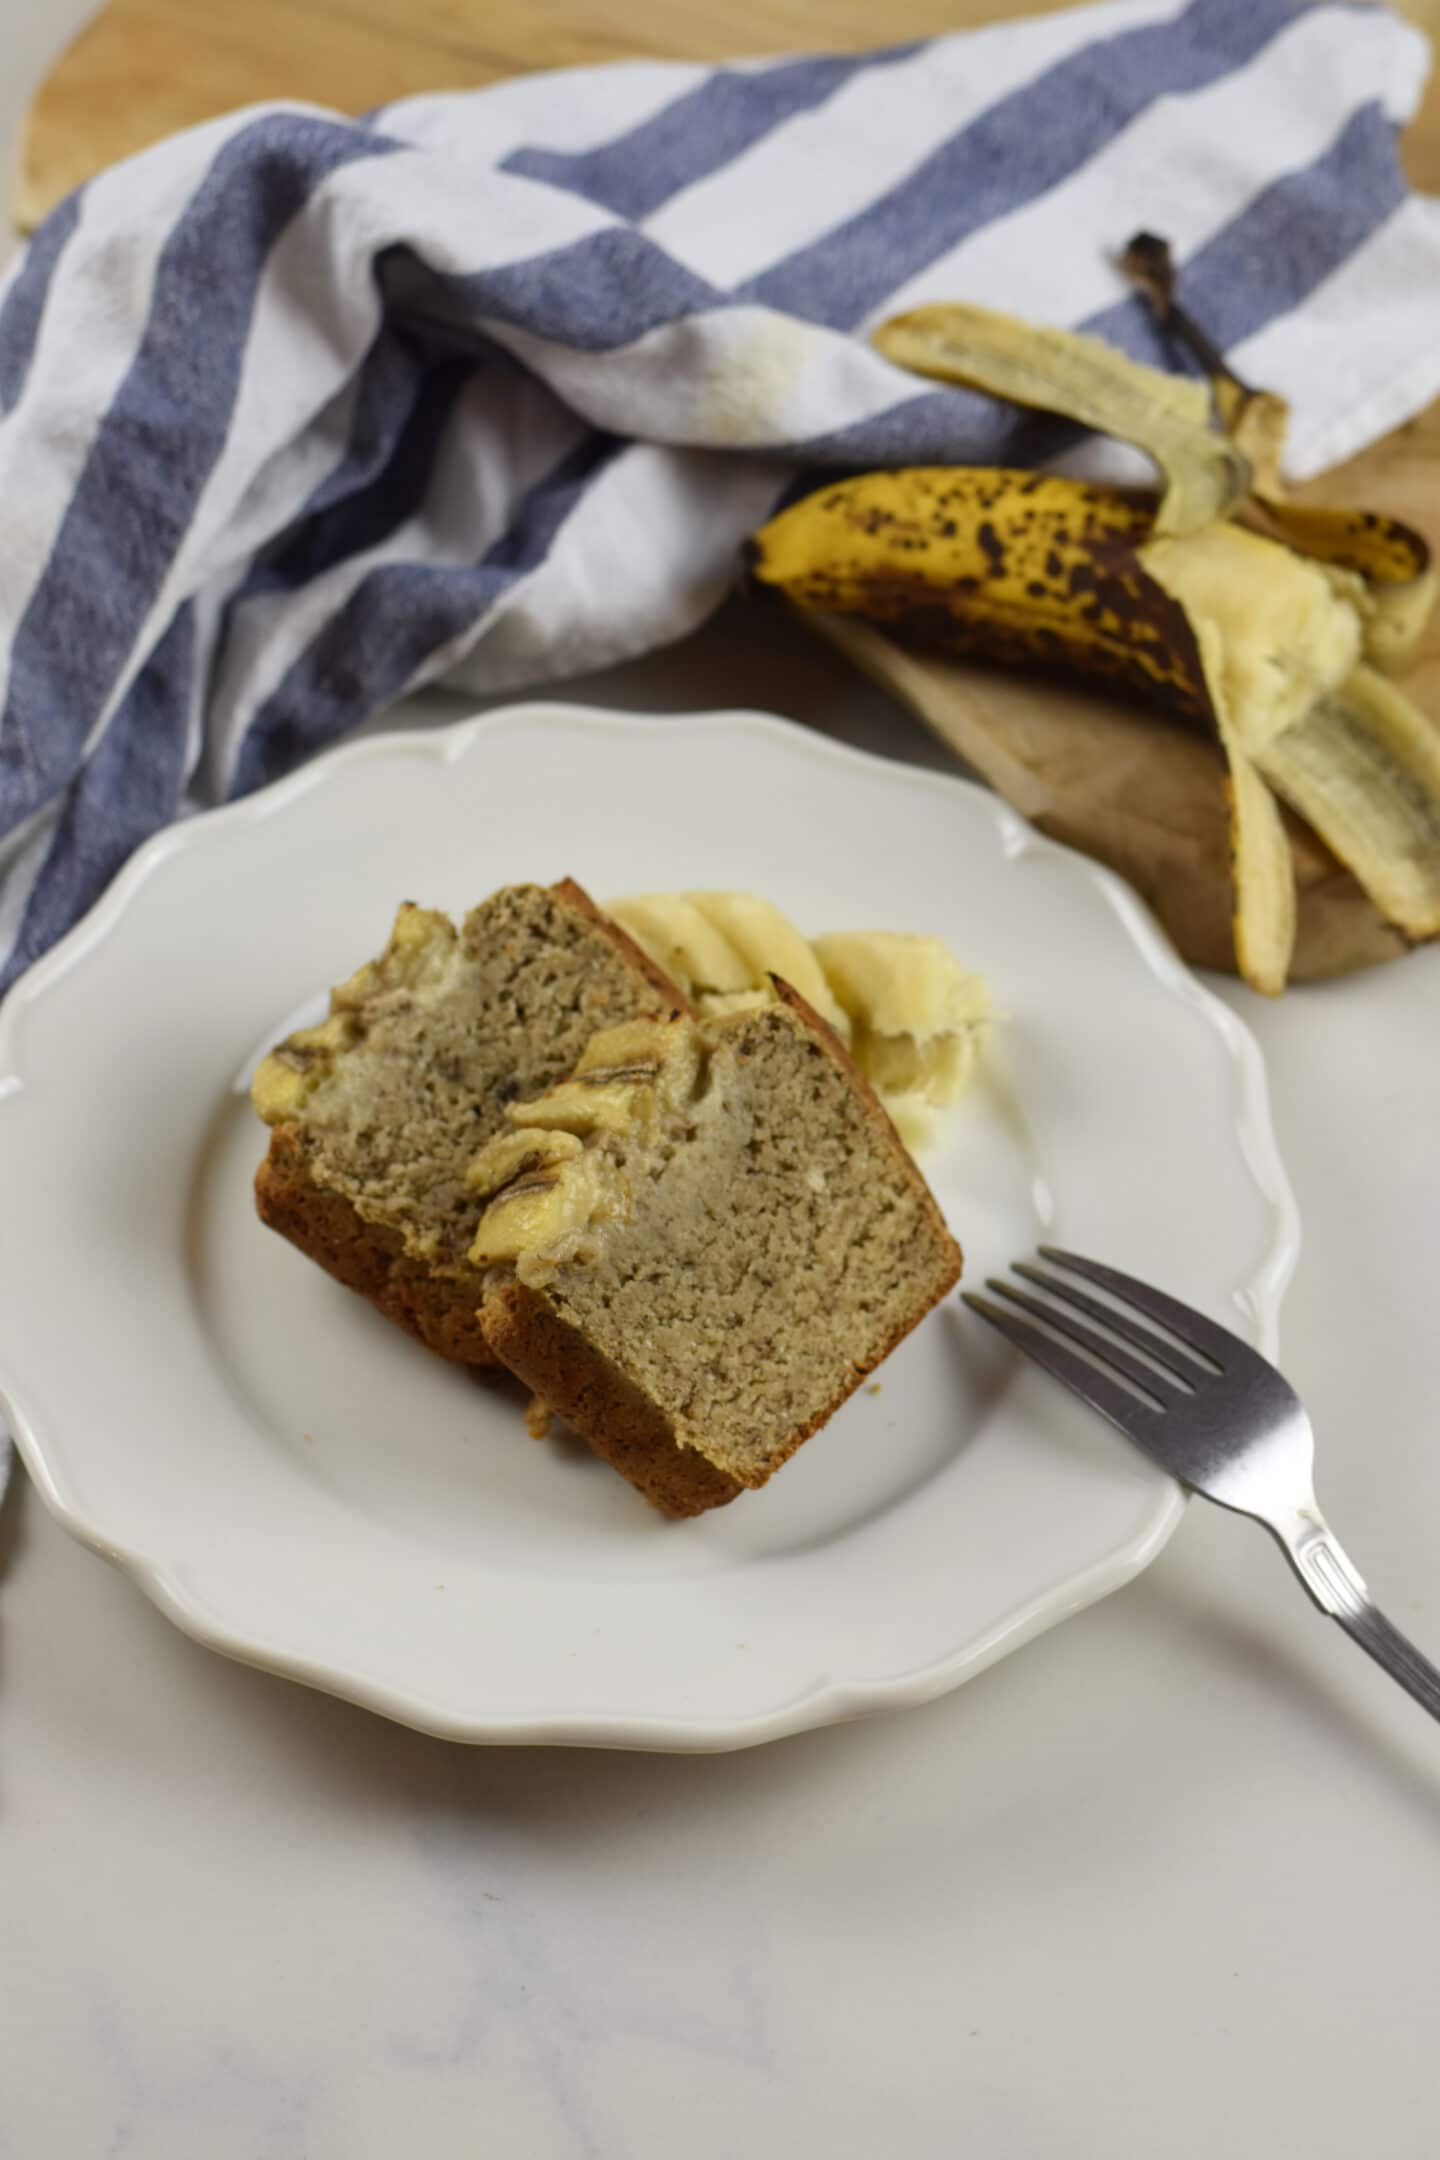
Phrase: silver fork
pixel 1211 1411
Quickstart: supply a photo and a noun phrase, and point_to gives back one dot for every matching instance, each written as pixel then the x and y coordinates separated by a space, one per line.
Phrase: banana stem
pixel 1149 265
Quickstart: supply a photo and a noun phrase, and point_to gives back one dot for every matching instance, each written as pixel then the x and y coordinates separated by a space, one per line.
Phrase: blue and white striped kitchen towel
pixel 298 412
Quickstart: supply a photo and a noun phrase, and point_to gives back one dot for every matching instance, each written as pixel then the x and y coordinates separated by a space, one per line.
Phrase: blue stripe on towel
pixel 397 619
pixel 157 447
pixel 129 786
pixel 704 129
pixel 25 302
pixel 1015 151
pixel 389 306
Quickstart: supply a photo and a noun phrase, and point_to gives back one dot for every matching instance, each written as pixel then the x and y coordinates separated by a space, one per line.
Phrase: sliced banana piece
pixel 918 1017
pixel 914 1018
pixel 675 934
pixel 626 1074
pixel 513 1157
pixel 914 1118
pixel 556 1203
pixel 770 945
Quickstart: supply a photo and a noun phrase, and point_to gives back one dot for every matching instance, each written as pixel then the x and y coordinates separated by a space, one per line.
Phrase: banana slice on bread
pixel 914 1020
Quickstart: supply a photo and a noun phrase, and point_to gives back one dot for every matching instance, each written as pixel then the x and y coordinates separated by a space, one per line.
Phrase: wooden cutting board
pixel 143 68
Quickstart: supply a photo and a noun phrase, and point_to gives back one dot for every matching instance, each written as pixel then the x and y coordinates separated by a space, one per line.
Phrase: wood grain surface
pixel 143 68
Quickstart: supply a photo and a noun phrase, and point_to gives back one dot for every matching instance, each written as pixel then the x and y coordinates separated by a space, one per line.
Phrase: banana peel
pixel 1221 624
pixel 1257 422
pixel 1032 569
pixel 1223 599
pixel 1381 564
pixel 1042 571
pixel 912 1018
pixel 1384 565
pixel 1143 794
pixel 1362 766
pixel 1206 474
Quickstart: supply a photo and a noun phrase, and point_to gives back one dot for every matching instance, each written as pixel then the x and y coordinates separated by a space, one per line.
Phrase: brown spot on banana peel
pixel 1069 595
pixel 1379 548
pixel 1066 592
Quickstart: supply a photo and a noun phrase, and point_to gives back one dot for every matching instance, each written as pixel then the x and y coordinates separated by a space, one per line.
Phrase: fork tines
pixel 1129 1390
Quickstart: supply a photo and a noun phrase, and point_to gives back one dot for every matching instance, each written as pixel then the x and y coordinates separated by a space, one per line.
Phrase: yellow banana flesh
pixel 769 944
pixel 1282 635
pixel 680 939
pixel 915 1020
pixel 1060 371
pixel 1384 566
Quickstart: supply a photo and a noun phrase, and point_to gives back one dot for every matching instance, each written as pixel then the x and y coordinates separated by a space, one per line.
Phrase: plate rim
pixel 829 1699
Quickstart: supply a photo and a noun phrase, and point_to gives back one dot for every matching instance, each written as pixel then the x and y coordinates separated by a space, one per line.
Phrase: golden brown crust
pixel 879 1116
pixel 575 896
pixel 623 1426
pixel 439 1310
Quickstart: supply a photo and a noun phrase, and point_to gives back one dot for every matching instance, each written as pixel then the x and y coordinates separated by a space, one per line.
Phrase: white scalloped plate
pixel 297 1485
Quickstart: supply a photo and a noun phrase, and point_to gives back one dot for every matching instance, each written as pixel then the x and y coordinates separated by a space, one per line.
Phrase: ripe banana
pixel 1382 565
pixel 1220 623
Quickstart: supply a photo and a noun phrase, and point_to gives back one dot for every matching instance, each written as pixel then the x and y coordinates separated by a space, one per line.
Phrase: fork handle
pixel 1339 1589
pixel 1396 1653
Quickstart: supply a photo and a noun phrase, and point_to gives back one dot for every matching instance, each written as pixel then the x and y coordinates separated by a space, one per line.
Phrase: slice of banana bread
pixel 699 1245
pixel 377 1113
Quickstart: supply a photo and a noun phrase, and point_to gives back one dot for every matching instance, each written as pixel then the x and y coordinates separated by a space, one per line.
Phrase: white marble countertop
pixel 1161 1886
